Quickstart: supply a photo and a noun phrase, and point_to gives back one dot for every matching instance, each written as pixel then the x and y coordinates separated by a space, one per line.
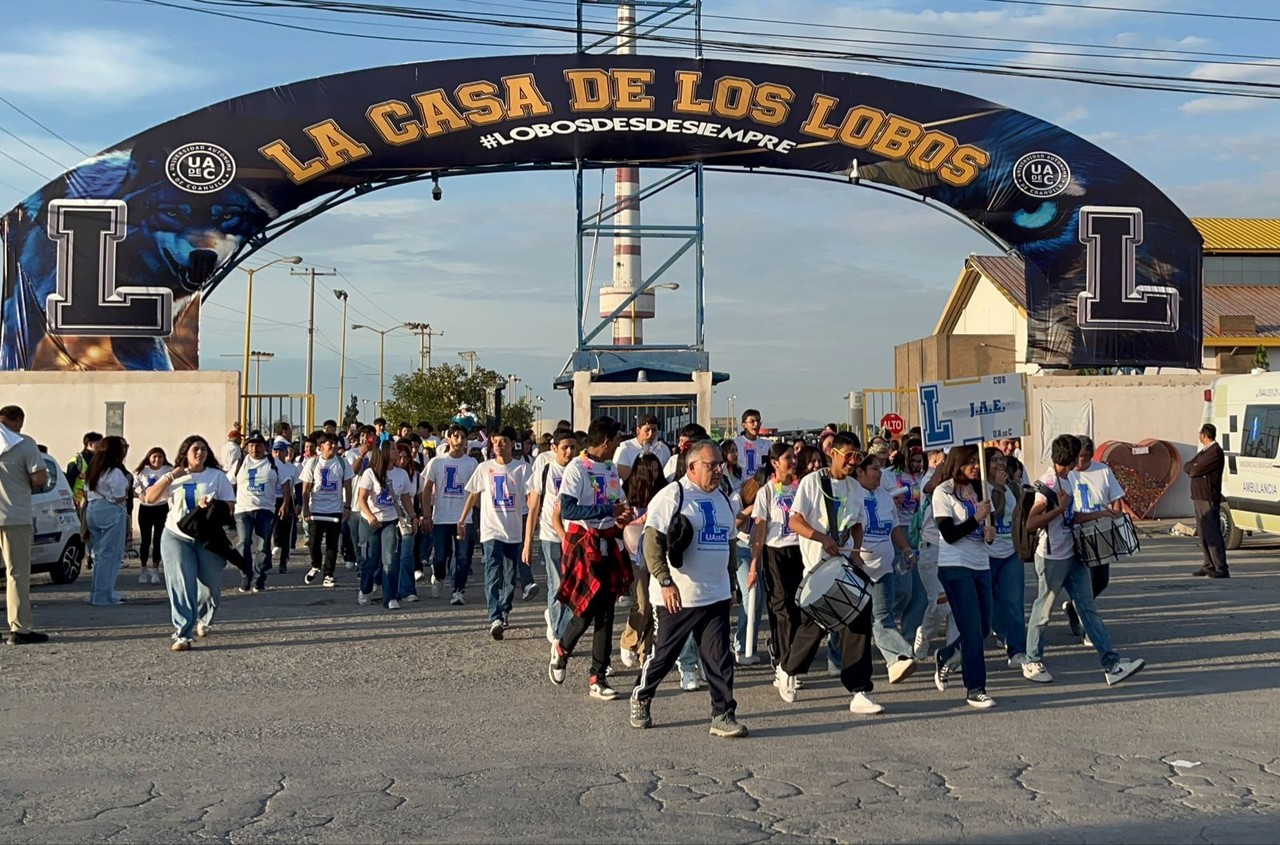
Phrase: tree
pixel 1260 361
pixel 352 412
pixel 434 395
pixel 519 416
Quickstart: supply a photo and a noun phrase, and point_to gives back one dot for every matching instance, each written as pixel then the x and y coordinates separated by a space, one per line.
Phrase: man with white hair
pixel 690 552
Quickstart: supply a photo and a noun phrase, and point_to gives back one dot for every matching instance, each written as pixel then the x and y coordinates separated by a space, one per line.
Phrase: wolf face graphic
pixel 175 240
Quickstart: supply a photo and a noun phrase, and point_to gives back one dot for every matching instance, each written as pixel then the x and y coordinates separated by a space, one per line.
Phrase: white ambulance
pixel 1246 411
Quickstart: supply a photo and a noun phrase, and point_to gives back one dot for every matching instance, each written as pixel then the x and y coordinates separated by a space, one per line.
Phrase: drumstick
pixel 750 648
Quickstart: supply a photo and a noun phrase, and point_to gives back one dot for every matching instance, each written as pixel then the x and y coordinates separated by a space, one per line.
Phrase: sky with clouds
pixel 810 285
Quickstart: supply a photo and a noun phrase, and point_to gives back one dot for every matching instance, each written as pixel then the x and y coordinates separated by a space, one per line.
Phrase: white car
pixel 57 548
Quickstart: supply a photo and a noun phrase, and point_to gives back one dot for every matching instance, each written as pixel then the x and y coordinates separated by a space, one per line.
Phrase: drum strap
pixel 829 500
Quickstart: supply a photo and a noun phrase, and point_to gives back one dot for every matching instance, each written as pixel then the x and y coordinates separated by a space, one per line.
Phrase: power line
pixel 23 164
pixel 34 148
pixel 1172 13
pixel 1072 74
pixel 42 126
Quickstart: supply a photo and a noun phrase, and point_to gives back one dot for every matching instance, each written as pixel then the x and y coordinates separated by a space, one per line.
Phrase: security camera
pixel 437 193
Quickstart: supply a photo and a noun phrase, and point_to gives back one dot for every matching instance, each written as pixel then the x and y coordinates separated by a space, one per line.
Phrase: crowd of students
pixel 678 534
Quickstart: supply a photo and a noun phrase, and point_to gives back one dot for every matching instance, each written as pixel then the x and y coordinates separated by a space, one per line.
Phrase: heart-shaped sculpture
pixel 1145 470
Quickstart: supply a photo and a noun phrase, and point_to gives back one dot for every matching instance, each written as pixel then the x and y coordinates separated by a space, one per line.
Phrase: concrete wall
pixel 160 408
pixel 949 356
pixel 697 388
pixel 1129 408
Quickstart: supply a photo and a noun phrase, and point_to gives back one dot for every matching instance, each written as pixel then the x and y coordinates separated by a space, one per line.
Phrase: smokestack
pixel 628 328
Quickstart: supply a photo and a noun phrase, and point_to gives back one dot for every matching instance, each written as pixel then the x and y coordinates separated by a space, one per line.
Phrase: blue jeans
pixel 969 594
pixel 446 544
pixel 106 522
pixel 500 577
pixel 740 633
pixel 884 630
pixel 380 558
pixel 687 660
pixel 551 552
pixel 1009 611
pixel 193 579
pixel 259 524
pixel 909 606
pixel 1070 574
pixel 408 563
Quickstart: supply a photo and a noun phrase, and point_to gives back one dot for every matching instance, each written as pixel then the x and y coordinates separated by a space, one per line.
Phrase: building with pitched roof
pixel 983 326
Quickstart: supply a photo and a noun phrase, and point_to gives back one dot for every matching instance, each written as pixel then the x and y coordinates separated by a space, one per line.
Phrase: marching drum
pixel 834 593
pixel 1106 540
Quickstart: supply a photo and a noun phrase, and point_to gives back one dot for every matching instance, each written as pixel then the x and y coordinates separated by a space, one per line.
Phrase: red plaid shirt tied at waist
pixel 588 569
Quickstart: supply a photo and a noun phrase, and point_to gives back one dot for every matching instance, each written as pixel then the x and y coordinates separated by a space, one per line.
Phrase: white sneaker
pixel 530 590
pixel 329 581
pixel 418 575
pixel 551 635
pixel 351 564
pixel 832 668
pixel 310 577
pixel 862 703
pixel 495 629
pixel 689 681
pixel 275 552
pixel 156 577
pixel 747 659
pixel 457 598
pixel 435 589
pixel 412 597
pixel 628 656
pixel 144 578
pixel 1085 639
pixel 556 668
pixel 1017 661
pixel 1034 671
pixel 901 669
pixel 786 687
pixel 393 605
pixel 1124 668
pixel 362 598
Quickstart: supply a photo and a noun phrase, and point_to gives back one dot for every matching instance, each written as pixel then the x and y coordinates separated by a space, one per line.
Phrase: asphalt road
pixel 305 718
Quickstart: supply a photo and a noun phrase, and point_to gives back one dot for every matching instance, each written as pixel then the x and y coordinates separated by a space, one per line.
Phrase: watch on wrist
pixel 666 582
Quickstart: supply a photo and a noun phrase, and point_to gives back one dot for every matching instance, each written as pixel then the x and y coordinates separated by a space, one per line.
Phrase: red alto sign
pixel 893 423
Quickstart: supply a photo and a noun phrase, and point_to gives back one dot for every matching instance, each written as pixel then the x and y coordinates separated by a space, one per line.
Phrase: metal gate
pixel 877 401
pixel 266 410
pixel 672 415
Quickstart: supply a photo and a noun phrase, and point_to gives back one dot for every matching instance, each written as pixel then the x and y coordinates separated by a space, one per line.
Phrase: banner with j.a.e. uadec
pixel 103 268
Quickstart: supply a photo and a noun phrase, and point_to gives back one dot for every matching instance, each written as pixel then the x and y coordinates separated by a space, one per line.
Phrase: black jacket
pixel 209 525
pixel 1205 472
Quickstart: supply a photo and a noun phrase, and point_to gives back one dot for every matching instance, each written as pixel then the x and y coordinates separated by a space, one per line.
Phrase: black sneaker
pixel 1219 574
pixel 1202 571
pixel 26 638
pixel 495 629
pixel 282 569
pixel 980 699
pixel 1073 619
pixel 726 725
pixel 640 714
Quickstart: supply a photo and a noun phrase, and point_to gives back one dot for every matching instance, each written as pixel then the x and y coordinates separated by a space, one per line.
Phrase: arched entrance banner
pixel 103 267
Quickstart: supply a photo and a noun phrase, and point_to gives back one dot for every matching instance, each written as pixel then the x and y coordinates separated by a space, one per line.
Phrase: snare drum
pixel 834 593
pixel 1106 540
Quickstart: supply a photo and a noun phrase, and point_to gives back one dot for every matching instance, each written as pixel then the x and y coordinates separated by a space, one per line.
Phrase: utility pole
pixel 342 358
pixel 470 358
pixel 424 333
pixel 311 320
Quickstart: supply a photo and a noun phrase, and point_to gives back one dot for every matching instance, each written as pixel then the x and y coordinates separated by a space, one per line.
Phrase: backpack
pixel 1024 540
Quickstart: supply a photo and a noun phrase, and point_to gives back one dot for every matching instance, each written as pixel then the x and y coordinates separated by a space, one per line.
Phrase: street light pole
pixel 248 328
pixel 731 424
pixel 342 358
pixel 382 361
pixel 470 358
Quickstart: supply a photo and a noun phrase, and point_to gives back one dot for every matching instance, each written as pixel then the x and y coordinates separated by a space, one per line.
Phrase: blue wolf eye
pixel 1037 219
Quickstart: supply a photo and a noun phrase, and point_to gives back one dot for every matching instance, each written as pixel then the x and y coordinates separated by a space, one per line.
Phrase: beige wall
pixel 160 408
pixel 1129 408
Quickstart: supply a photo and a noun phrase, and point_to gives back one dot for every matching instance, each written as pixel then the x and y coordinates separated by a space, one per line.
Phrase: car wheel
pixel 1231 535
pixel 67 569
